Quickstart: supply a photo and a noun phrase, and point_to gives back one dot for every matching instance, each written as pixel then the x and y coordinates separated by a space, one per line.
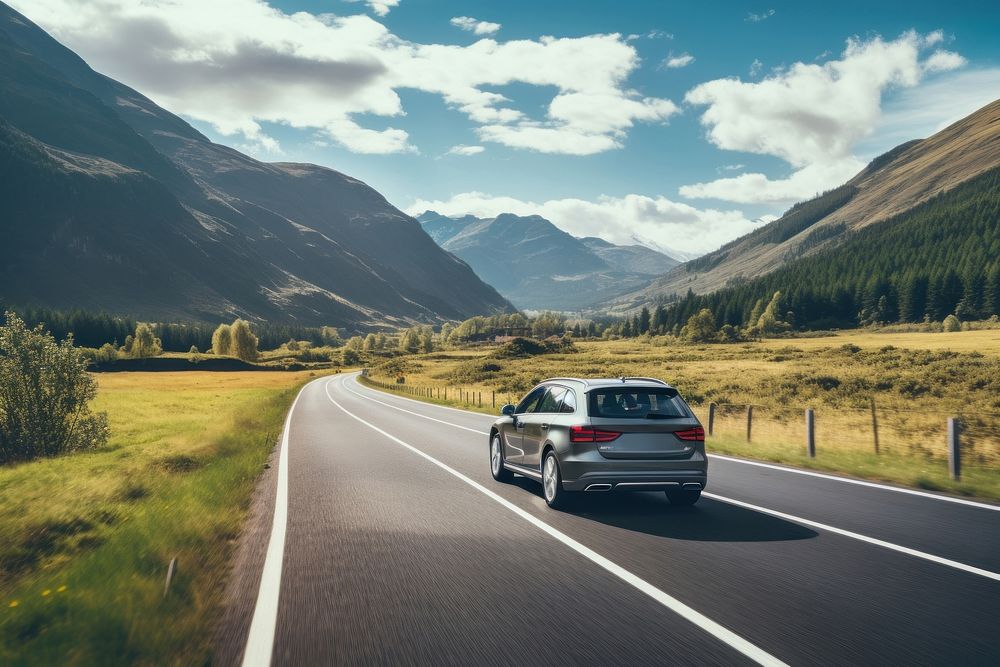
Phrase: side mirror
pixel 507 410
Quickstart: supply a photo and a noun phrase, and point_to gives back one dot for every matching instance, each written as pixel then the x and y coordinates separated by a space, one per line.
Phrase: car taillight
pixel 588 434
pixel 696 434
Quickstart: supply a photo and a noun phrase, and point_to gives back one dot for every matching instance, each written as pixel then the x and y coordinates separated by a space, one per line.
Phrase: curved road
pixel 379 536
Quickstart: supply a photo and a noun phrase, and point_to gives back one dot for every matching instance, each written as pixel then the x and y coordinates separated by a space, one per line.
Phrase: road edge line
pixel 260 638
pixel 857 536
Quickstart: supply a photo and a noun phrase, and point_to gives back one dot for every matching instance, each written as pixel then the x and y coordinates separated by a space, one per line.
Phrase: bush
pixel 44 395
pixel 951 323
pixel 350 357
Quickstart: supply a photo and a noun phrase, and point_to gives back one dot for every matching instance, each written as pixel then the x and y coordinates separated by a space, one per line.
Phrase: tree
pixel 427 342
pixel 244 342
pixel 644 320
pixel 145 343
pixel 222 340
pixel 330 336
pixel 371 343
pixel 409 342
pixel 350 356
pixel 292 345
pixel 700 327
pixel 45 392
pixel 991 291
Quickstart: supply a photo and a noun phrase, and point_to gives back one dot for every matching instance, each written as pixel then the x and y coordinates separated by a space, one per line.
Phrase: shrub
pixel 951 323
pixel 105 354
pixel 700 327
pixel 45 392
pixel 350 357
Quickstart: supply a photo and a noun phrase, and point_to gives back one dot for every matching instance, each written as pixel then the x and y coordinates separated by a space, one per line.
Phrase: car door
pixel 536 426
pixel 513 432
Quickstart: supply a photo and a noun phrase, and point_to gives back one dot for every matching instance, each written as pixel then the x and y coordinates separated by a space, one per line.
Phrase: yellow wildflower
pixel 46 592
pixel 13 603
pixel 61 589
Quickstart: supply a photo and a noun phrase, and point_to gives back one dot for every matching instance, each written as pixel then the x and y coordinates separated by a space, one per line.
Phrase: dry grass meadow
pixel 917 381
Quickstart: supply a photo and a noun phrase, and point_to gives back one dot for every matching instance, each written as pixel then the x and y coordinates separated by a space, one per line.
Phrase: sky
pixel 676 124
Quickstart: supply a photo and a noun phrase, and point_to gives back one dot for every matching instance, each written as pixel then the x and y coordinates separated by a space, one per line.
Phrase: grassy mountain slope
pixel 893 183
pixel 147 217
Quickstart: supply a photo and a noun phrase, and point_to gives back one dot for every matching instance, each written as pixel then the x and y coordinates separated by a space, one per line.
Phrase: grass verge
pixel 87 538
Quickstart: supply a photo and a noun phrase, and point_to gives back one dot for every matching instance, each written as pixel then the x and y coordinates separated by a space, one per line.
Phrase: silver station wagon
pixel 625 434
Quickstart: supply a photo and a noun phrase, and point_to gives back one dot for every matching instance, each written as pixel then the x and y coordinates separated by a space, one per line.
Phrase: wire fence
pixel 888 432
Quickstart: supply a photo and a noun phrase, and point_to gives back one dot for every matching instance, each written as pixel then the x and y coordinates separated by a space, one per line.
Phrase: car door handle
pixel 545 427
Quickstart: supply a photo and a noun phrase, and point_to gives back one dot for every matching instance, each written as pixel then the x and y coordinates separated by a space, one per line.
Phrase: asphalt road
pixel 379 537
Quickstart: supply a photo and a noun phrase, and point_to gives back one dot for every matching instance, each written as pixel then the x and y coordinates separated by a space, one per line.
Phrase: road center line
pixel 260 639
pixel 789 517
pixel 721 633
pixel 734 459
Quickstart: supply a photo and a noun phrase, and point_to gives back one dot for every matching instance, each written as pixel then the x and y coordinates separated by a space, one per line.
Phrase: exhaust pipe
pixel 598 487
pixel 691 486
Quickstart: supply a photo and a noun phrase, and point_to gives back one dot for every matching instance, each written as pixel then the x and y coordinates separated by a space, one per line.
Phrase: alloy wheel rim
pixel 495 455
pixel 549 476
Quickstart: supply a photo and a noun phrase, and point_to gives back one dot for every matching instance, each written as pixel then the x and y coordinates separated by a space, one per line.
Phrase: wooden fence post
pixel 711 418
pixel 954 449
pixel 810 433
pixel 494 392
pixel 749 421
pixel 875 425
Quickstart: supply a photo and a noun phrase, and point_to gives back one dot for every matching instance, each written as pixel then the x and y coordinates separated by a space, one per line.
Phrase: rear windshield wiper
pixel 660 415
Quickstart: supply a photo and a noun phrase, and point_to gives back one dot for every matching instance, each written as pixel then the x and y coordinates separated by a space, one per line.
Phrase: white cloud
pixel 674 62
pixel 379 7
pixel 238 63
pixel 757 188
pixel 755 67
pixel 757 18
pixel 462 149
pixel 617 219
pixel 475 25
pixel 809 115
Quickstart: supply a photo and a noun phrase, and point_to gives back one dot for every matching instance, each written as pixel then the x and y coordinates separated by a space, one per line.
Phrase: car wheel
pixel 683 498
pixel 500 473
pixel 555 496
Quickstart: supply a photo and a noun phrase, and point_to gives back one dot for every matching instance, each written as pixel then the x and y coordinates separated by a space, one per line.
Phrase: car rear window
pixel 637 403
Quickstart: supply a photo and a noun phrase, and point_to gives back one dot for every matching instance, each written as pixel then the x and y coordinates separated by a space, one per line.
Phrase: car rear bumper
pixel 589 471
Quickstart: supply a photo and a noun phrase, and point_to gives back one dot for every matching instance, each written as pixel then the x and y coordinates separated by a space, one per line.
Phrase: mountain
pixel 538 266
pixel 109 202
pixel 893 183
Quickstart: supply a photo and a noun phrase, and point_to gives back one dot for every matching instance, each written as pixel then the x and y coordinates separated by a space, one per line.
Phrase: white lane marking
pixel 847 480
pixel 857 536
pixel 410 412
pixel 260 639
pixel 808 522
pixel 730 638
pixel 797 471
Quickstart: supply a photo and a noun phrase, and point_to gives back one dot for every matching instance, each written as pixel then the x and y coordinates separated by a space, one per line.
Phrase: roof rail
pixel 564 380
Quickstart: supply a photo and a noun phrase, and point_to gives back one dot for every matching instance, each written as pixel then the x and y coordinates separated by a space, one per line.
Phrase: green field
pixel 917 380
pixel 87 538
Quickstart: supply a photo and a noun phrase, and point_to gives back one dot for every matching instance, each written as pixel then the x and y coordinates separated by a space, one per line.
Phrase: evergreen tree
pixel 644 320
pixel 991 291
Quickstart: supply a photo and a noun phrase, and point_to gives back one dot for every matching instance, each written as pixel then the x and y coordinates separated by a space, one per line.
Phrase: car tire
pixel 683 498
pixel 500 473
pixel 552 489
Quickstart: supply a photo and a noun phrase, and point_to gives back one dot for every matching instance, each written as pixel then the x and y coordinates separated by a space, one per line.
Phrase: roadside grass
pixel 87 538
pixel 917 380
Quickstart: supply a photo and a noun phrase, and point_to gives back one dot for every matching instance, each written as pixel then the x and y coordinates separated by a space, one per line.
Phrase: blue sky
pixel 682 156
